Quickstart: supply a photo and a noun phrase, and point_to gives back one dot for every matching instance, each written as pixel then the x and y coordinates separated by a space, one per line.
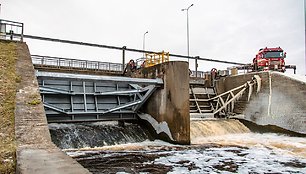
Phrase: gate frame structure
pixel 129 100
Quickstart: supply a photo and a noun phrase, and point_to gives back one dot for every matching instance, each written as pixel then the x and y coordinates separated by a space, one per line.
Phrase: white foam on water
pixel 258 153
pixel 254 159
pixel 60 125
pixel 145 145
pixel 102 123
pixel 290 145
pixel 231 153
pixel 231 149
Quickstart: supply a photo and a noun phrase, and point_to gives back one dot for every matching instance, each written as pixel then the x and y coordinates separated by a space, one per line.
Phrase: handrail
pixel 11 30
pixel 15 34
pixel 228 103
pixel 60 62
pixel 156 58
pixel 125 49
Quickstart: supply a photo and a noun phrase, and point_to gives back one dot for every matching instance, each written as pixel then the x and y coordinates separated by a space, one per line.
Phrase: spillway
pixel 99 134
pixel 202 129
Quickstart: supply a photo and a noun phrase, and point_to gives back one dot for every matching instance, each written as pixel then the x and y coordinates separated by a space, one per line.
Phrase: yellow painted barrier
pixel 156 58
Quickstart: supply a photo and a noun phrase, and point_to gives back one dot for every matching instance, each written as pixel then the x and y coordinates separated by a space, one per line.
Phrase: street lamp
pixel 187 9
pixel 143 42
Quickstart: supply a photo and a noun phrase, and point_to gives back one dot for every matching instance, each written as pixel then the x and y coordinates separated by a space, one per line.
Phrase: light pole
pixel 143 42
pixel 187 9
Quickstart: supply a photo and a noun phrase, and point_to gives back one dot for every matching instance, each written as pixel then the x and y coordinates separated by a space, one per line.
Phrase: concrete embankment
pixel 35 151
pixel 8 80
pixel 281 101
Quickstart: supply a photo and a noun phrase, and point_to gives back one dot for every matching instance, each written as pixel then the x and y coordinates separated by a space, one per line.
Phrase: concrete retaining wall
pixel 35 151
pixel 283 103
pixel 170 104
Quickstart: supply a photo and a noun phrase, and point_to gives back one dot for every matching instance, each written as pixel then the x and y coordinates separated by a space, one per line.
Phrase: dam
pixel 59 112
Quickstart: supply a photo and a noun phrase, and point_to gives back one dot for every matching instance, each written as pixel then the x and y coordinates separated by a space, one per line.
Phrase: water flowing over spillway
pixel 200 129
pixel 218 146
pixel 90 135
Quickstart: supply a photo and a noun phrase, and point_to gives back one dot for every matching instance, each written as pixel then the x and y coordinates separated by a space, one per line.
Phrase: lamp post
pixel 187 9
pixel 143 42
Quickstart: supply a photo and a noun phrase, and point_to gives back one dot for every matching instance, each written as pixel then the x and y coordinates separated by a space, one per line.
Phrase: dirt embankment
pixel 8 81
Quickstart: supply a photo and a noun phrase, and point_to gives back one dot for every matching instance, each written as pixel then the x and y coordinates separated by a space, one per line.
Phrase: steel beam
pixel 83 77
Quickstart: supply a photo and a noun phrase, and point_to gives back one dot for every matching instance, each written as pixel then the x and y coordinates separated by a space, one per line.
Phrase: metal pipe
pixel 187 9
pixel 123 58
pixel 196 65
pixel 126 49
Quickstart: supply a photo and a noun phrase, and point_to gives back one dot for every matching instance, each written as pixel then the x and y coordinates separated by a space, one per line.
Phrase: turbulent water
pixel 230 148
pixel 89 135
pixel 199 129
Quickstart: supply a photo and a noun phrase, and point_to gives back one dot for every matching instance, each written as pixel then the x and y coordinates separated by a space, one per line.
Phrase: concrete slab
pixel 47 161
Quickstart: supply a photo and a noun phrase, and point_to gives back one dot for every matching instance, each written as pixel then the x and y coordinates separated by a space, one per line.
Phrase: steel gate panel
pixel 74 97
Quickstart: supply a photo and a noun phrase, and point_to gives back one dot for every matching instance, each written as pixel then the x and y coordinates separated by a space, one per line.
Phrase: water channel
pixel 224 146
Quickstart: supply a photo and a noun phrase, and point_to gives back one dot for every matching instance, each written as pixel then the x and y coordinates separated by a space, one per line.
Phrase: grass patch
pixel 35 100
pixel 8 80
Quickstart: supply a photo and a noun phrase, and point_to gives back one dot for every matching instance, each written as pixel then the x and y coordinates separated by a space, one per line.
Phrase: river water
pixel 216 147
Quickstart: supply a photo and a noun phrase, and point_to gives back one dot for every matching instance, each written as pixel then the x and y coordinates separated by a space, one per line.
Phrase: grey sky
pixel 220 29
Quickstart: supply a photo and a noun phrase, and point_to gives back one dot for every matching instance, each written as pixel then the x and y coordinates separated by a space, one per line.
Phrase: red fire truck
pixel 270 59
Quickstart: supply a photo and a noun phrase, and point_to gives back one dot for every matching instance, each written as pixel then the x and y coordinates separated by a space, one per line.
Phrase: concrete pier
pixel 171 103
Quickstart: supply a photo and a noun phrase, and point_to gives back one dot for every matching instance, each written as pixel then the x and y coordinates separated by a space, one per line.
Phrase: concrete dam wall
pixel 281 101
pixel 35 151
pixel 170 104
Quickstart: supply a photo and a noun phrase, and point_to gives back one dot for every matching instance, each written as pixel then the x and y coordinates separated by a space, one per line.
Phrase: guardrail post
pixel 22 25
pixel 123 58
pixel 196 65
pixel 58 64
pixel 11 34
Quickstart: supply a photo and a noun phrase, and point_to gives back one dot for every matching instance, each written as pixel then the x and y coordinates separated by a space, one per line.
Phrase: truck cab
pixel 269 59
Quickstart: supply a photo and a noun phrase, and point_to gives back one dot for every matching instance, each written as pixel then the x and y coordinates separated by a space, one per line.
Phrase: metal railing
pixel 199 74
pixel 66 63
pixel 226 101
pixel 10 30
pixel 124 49
pixel 156 58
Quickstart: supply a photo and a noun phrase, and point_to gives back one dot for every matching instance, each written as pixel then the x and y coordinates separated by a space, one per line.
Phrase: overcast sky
pixel 232 30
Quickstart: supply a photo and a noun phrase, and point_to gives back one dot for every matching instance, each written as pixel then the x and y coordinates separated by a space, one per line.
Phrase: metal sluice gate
pixel 76 97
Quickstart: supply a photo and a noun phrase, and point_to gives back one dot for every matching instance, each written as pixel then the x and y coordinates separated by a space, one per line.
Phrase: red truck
pixel 270 59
